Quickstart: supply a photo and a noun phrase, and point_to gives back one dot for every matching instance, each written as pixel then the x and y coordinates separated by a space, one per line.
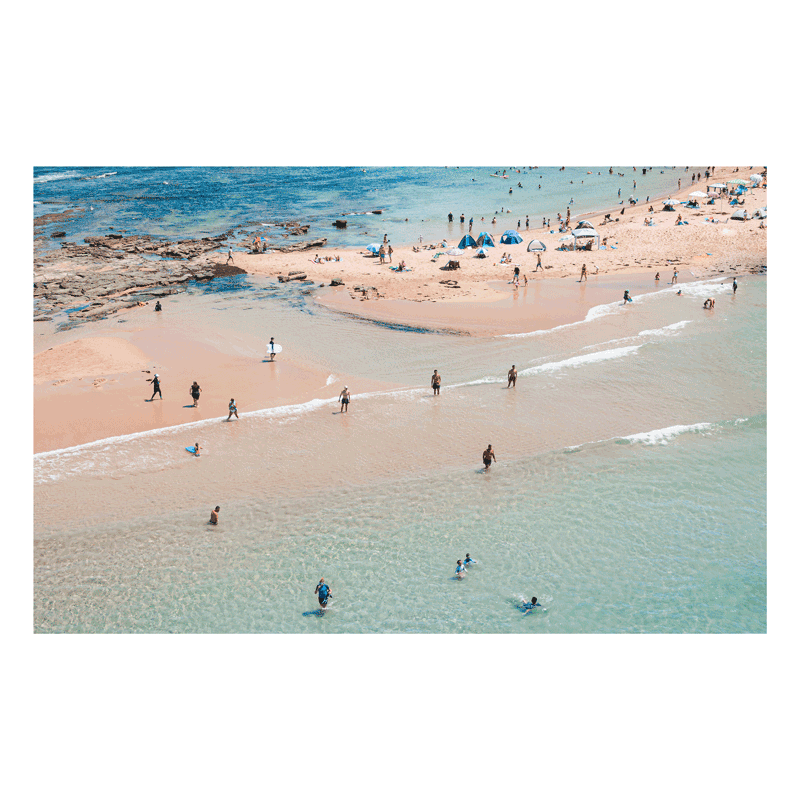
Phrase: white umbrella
pixel 670 202
pixel 698 194
pixel 454 251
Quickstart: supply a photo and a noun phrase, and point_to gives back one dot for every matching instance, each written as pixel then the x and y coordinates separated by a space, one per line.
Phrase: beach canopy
pixel 374 247
pixel 454 251
pixel 717 185
pixel 585 233
pixel 584 223
pixel 485 240
pixel 482 253
pixel 467 241
pixel 738 181
pixel 511 237
pixel 536 245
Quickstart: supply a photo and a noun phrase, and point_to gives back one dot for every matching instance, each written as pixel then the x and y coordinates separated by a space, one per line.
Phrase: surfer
pixel 323 592
pixel 156 387
pixel 460 570
pixel 194 391
pixel 530 606
pixel 488 455
pixel 344 399
pixel 436 381
pixel 271 347
pixel 232 410
pixel 512 376
pixel 214 516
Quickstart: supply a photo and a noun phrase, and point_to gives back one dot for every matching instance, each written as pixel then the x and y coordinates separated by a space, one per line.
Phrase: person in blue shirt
pixel 468 562
pixel 323 592
pixel 460 570
pixel 530 606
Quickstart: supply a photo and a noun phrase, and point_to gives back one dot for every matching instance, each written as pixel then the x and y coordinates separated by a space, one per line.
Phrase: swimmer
pixel 460 570
pixel 488 455
pixel 512 376
pixel 214 516
pixel 323 592
pixel 469 561
pixel 530 606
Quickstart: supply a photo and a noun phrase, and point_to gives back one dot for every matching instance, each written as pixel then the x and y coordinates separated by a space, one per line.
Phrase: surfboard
pixel 190 450
pixel 274 348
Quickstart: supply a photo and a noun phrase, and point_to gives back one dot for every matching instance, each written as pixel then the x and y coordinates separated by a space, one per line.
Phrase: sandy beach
pixel 90 381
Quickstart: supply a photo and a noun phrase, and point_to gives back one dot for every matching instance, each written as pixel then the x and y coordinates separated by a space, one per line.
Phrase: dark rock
pixel 58 234
pixel 340 223
pixel 336 282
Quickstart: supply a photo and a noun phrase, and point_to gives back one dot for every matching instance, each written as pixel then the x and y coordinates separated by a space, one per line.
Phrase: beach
pixel 604 389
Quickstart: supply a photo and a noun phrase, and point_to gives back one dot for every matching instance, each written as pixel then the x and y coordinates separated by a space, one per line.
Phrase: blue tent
pixel 485 240
pixel 511 237
pixel 467 241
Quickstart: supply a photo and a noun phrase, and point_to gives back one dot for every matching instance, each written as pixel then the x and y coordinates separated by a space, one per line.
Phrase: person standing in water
pixel 323 593
pixel 583 274
pixel 512 376
pixel 460 570
pixel 214 516
pixel 194 391
pixel 232 410
pixel 469 561
pixel 196 450
pixel 488 455
pixel 344 399
pixel 436 381
pixel 626 298
pixel 271 348
pixel 735 285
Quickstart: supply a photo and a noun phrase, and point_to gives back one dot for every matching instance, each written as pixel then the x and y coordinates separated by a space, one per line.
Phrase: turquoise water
pixel 629 494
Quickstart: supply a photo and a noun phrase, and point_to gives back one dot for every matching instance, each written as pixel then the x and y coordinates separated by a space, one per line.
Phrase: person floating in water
pixel 323 593
pixel 512 376
pixel 436 381
pixel 530 606
pixel 468 562
pixel 460 570
pixel 626 298
pixel 488 455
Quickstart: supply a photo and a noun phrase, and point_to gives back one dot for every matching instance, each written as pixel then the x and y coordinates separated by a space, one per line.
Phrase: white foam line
pixel 56 176
pixel 658 436
pixel 676 326
pixel 594 313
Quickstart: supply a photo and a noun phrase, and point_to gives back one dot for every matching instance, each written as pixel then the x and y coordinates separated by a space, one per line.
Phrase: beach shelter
pixel 511 237
pixel 738 181
pixel 467 241
pixel 536 246
pixel 760 213
pixel 739 214
pixel 584 223
pixel 482 253
pixel 485 240
pixel 453 251
pixel 587 233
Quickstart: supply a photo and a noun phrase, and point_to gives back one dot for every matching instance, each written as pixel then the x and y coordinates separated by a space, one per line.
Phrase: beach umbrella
pixel 482 253
pixel 536 245
pixel 373 248
pixel 698 194
pixel 454 251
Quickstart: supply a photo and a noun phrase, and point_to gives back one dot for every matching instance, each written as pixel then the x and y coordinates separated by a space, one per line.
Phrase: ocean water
pixel 629 494
pixel 191 202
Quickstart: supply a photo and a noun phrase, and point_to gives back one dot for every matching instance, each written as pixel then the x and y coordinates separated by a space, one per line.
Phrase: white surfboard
pixel 274 348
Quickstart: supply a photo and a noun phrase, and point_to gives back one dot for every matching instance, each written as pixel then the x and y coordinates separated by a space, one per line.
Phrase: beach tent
pixel 739 214
pixel 760 213
pixel 511 237
pixel 482 253
pixel 485 240
pixel 584 223
pixel 536 246
pixel 467 241
pixel 756 179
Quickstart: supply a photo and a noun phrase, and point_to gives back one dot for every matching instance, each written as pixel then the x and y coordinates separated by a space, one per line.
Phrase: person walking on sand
pixel 539 263
pixel 271 348
pixel 583 274
pixel 214 516
pixel 232 410
pixel 344 399
pixel 512 376
pixel 389 251
pixel 194 391
pixel 436 381
pixel 156 387
pixel 488 455
pixel 230 255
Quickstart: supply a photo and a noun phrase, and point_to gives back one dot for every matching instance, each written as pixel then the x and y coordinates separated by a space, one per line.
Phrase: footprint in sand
pixel 63 380
pixel 98 382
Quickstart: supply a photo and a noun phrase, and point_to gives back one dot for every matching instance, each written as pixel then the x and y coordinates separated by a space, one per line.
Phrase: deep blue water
pixel 190 202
